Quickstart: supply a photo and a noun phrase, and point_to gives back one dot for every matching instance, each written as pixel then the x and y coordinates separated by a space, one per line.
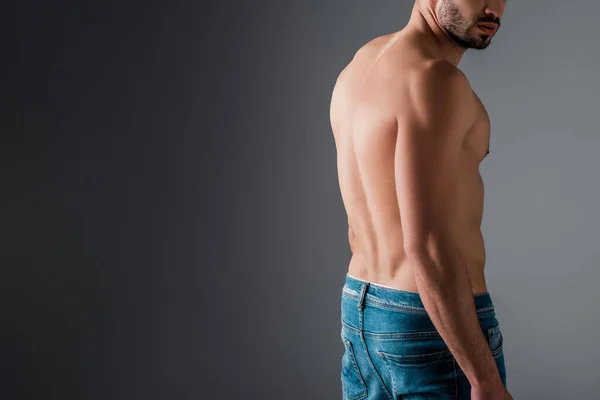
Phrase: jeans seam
pixel 455 379
pixel 387 366
pixel 364 393
pixel 377 375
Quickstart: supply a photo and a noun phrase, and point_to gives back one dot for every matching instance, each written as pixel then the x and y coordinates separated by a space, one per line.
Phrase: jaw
pixel 480 39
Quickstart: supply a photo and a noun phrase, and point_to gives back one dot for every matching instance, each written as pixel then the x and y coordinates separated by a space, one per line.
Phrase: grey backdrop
pixel 171 222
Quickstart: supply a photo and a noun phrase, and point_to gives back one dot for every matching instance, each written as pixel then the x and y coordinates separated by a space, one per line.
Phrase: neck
pixel 424 22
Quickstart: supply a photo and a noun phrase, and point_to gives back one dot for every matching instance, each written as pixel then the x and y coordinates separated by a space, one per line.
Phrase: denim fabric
pixel 392 350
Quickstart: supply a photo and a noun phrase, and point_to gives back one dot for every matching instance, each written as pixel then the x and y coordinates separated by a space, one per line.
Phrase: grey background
pixel 171 224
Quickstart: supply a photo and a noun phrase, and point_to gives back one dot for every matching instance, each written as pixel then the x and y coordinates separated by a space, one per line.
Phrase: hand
pixel 490 393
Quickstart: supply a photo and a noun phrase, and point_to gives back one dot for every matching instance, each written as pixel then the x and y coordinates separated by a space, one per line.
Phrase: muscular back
pixel 410 134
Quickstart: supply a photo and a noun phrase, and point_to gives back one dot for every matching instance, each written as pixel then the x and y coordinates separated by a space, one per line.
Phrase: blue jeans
pixel 393 350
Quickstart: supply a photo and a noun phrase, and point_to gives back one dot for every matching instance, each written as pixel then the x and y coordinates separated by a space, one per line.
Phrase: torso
pixel 364 138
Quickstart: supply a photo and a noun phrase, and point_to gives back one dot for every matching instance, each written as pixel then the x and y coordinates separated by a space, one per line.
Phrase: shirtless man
pixel 410 133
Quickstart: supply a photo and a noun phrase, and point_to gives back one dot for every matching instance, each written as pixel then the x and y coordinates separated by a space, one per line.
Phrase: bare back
pixel 371 98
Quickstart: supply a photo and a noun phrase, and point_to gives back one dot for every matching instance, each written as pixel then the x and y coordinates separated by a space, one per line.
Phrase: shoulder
pixel 373 46
pixel 345 81
pixel 336 98
pixel 438 79
pixel 440 92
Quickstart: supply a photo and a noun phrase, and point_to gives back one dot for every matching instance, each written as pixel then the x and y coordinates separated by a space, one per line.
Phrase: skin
pixel 410 135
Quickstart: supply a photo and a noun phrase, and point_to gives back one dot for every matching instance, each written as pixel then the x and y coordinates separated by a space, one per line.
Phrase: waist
pixel 378 295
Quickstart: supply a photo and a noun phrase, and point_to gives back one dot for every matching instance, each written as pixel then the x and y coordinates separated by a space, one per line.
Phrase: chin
pixel 482 43
pixel 483 46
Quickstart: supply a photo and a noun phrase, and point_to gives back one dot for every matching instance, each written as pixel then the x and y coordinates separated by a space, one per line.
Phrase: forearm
pixel 446 293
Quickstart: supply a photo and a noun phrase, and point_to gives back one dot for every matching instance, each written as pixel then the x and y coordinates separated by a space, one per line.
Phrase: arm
pixel 430 136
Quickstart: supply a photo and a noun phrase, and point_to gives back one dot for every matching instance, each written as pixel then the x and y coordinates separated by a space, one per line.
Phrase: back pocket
pixel 495 340
pixel 421 367
pixel 353 385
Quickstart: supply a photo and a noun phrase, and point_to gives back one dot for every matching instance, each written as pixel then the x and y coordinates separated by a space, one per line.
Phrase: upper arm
pixel 432 122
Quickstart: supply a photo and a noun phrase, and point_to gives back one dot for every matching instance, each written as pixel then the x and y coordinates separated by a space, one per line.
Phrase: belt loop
pixel 363 294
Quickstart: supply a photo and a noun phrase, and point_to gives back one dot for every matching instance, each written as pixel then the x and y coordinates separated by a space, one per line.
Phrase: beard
pixel 458 27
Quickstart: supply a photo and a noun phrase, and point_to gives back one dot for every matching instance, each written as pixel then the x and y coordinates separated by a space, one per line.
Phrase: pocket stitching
pixel 416 358
pixel 404 335
pixel 393 378
pixel 412 360
pixel 362 394
pixel 495 330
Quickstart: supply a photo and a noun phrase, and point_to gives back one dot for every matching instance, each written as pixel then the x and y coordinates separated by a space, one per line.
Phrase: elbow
pixel 415 250
pixel 419 258
pixel 432 246
pixel 423 265
pixel 434 259
pixel 428 256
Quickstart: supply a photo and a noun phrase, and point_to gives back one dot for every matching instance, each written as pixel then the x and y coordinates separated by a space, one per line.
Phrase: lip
pixel 488 28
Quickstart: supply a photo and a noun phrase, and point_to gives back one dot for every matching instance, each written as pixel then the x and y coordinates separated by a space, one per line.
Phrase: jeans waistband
pixel 386 297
